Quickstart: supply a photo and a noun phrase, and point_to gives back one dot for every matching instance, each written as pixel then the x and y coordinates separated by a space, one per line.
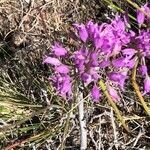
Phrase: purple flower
pixel 126 19
pixel 65 89
pixel 119 62
pixel 86 62
pixel 104 63
pixel 86 78
pixel 62 85
pixel 59 50
pixel 113 93
pixel 130 64
pixel 116 49
pixel 119 78
pixel 94 59
pixel 62 69
pixel 146 85
pixel 93 71
pixel 98 42
pixel 83 34
pixel 95 92
pixel 123 62
pixel 143 70
pixel 140 15
pixel 129 52
pixel 118 23
pixel 143 43
pixel 109 47
pixel 106 46
pixel 92 29
pixel 79 58
pixel 52 61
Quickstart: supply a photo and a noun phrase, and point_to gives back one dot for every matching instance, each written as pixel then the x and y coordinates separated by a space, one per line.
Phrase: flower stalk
pixel 119 116
pixel 137 90
pixel 138 8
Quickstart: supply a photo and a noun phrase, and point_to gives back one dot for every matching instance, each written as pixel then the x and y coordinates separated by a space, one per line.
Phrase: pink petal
pixel 143 70
pixel 52 61
pixel 86 78
pixel 95 93
pixel 83 34
pixel 119 62
pixel 119 78
pixel 140 17
pixel 113 93
pixel 62 69
pixel 66 87
pixel 59 50
pixel 98 42
pixel 130 63
pixel 94 59
pixel 116 49
pixel 129 51
pixel 146 85
pixel 104 63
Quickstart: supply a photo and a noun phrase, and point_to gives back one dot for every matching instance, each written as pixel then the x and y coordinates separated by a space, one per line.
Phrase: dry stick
pixel 137 90
pixel 119 116
pixel 114 129
pixel 82 121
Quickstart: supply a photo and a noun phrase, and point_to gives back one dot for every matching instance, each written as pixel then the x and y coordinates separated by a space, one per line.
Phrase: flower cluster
pixel 61 79
pixel 108 50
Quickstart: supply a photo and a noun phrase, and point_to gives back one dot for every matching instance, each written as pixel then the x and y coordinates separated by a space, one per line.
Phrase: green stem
pixel 138 8
pixel 137 90
pixel 122 11
pixel 119 116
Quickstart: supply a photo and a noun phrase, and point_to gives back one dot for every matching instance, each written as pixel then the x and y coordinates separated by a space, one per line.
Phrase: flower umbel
pixel 107 50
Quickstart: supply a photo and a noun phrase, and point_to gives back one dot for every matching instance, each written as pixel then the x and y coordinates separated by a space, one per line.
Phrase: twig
pixel 114 129
pixel 100 146
pixel 82 121
pixel 137 139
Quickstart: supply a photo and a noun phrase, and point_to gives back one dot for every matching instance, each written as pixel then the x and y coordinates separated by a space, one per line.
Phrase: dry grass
pixel 31 115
